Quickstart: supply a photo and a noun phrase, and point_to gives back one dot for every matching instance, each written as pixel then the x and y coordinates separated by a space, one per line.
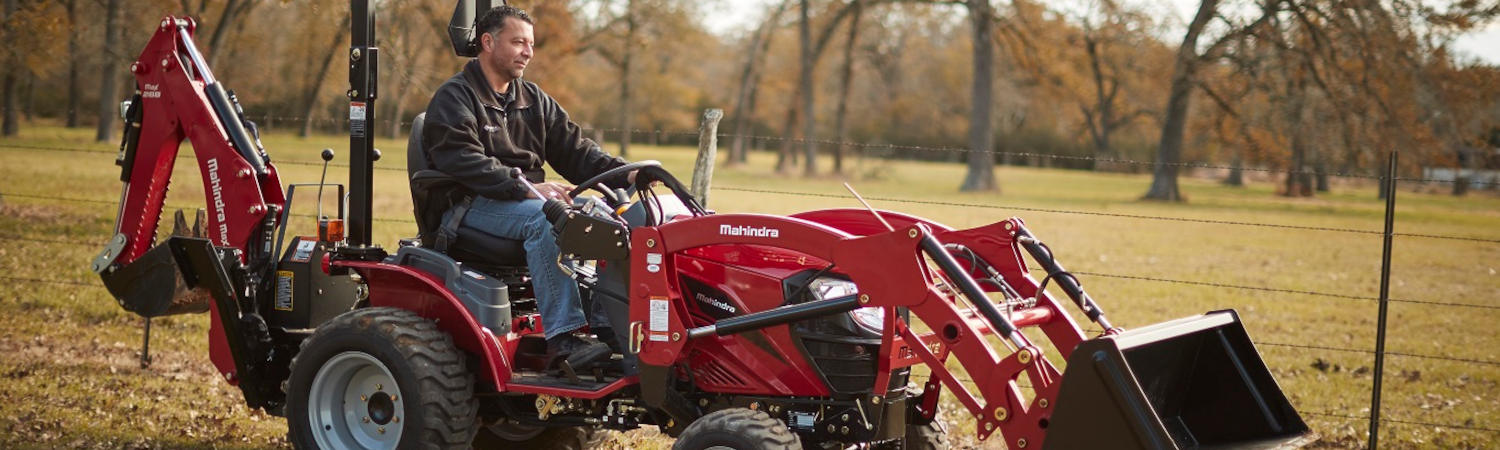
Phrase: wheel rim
pixel 355 403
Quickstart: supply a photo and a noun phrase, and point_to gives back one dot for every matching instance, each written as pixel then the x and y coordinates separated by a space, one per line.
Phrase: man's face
pixel 511 47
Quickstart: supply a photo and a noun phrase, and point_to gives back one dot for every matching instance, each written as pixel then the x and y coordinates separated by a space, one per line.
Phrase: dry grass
pixel 70 377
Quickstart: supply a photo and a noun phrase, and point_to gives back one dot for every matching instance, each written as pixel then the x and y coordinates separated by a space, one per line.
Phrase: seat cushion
pixel 478 248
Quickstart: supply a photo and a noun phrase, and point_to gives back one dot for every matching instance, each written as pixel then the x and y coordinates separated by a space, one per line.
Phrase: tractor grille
pixel 847 364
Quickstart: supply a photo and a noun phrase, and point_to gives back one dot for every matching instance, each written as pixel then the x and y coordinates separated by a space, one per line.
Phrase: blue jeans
pixel 557 295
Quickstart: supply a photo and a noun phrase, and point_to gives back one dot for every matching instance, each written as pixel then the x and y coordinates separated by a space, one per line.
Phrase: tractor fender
pixel 404 287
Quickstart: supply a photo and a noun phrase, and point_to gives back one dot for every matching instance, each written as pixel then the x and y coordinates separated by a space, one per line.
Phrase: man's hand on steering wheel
pixel 553 190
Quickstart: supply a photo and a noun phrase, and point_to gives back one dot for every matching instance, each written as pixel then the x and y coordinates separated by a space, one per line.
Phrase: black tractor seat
pixel 497 256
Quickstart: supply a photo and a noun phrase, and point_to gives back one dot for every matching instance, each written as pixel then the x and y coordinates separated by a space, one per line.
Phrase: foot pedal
pixel 567 370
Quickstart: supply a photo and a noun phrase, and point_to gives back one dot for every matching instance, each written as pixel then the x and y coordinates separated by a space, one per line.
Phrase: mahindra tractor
pixel 831 328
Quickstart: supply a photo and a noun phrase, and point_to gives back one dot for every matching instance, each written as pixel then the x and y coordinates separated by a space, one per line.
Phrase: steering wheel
pixel 596 182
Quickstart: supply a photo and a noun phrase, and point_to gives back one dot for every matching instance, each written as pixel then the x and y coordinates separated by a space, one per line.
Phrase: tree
pixel 846 79
pixel 75 33
pixel 324 62
pixel 11 103
pixel 981 173
pixel 109 68
pixel 1184 73
pixel 750 73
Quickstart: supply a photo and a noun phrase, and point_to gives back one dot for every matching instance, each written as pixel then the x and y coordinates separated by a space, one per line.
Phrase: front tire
pixel 380 378
pixel 737 429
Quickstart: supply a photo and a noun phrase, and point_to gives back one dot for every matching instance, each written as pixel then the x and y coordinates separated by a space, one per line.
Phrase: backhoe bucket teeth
pixel 154 284
pixel 1196 382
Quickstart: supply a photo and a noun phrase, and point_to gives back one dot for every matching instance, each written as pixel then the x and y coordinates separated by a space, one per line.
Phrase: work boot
pixel 571 353
pixel 607 336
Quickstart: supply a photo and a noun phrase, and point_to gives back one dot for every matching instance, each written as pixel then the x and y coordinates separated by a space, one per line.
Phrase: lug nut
pixel 379 387
pixel 365 420
pixel 1021 443
pixel 381 430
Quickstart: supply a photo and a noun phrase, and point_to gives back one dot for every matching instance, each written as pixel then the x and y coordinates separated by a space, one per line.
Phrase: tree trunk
pixel 1169 149
pixel 846 78
pixel 805 81
pixel 228 18
pixel 1461 177
pixel 784 157
pixel 75 91
pixel 626 61
pixel 28 96
pixel 1320 174
pixel 981 174
pixel 109 83
pixel 11 103
pixel 744 105
pixel 1236 176
pixel 310 97
pixel 1296 184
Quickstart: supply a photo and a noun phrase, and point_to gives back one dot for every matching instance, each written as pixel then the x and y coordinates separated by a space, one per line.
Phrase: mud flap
pixel 1196 382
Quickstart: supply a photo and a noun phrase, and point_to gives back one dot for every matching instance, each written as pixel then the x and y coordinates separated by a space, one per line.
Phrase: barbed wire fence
pixel 878 150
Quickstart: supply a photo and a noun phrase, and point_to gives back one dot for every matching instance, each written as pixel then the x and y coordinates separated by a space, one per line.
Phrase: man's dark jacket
pixel 476 136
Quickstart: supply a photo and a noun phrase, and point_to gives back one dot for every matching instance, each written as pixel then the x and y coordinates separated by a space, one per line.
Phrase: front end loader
pixel 824 329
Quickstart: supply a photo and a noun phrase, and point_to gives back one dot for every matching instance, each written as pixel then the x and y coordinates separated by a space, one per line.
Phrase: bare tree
pixel 1184 74
pixel 981 173
pixel 627 62
pixel 846 79
pixel 109 68
pixel 75 48
pixel 750 73
pixel 11 103
pixel 325 63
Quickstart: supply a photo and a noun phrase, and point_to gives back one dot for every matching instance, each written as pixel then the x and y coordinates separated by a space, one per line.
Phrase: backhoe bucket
pixel 154 284
pixel 1195 382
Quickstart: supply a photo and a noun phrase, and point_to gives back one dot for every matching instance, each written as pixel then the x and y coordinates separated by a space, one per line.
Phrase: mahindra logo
pixel 218 193
pixel 743 230
pixel 717 303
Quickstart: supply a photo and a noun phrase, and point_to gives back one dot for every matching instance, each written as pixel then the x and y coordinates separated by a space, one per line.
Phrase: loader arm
pixel 972 291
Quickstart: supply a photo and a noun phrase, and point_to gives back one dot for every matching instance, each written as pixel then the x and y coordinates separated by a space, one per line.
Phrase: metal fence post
pixel 1385 297
pixel 708 143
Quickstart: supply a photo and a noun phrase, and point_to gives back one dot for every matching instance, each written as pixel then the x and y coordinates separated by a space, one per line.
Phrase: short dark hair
pixel 494 20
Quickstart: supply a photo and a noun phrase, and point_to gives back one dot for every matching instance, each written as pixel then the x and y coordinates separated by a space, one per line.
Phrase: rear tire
pixel 381 378
pixel 737 429
pixel 506 435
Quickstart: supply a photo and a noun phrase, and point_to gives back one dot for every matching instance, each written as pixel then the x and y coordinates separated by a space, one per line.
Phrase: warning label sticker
pixel 659 311
pixel 284 290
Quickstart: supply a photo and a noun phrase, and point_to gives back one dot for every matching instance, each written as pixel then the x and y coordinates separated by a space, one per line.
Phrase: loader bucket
pixel 153 285
pixel 1195 382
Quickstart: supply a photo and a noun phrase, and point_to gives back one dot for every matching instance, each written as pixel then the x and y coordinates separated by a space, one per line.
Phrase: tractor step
pixel 588 386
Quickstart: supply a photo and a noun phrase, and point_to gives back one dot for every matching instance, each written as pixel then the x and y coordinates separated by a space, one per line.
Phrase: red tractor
pixel 744 331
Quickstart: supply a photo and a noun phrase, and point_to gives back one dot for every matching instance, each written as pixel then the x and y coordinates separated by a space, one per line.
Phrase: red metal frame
pixel 889 268
pixel 174 107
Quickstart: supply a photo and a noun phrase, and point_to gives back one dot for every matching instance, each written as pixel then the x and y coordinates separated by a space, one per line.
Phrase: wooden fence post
pixel 708 143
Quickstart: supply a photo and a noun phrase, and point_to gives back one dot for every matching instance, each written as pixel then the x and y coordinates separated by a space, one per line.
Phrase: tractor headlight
pixel 870 318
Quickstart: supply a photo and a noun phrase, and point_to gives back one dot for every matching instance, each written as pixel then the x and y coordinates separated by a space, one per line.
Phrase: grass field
pixel 68 374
